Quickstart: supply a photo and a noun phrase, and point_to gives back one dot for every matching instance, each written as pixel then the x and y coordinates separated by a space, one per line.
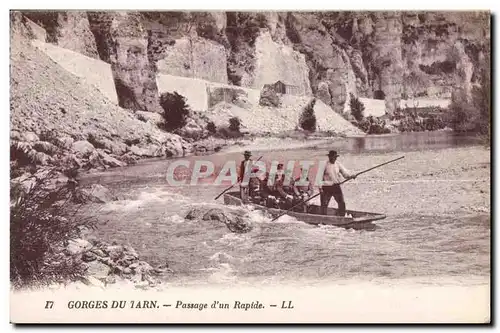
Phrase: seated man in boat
pixel 266 193
pixel 254 185
pixel 332 177
pixel 302 192
pixel 282 192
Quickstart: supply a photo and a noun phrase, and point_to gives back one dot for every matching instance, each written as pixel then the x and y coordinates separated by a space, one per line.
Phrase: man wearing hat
pixel 332 177
pixel 245 166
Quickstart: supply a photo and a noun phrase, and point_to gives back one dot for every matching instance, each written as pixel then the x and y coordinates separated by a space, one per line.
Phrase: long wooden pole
pixel 314 196
pixel 230 187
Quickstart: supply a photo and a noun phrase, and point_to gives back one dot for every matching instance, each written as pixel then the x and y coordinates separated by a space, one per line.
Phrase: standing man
pixel 332 177
pixel 245 166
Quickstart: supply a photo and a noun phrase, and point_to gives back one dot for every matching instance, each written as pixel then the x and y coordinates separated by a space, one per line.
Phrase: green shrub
pixel 175 110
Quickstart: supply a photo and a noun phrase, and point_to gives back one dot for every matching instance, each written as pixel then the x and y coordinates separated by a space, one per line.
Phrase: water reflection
pixel 359 144
pixel 404 142
pixel 155 170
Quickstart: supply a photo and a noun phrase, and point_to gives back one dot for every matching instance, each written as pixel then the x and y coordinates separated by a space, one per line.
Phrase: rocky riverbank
pixel 106 264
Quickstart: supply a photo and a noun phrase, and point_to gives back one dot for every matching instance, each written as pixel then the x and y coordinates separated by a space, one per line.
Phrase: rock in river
pixel 235 220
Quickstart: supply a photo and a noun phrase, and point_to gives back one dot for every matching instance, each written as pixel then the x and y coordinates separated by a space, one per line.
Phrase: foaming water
pixel 420 240
pixel 198 251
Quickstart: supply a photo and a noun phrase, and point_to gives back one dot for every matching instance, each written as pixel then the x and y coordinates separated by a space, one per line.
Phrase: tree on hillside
pixel 307 119
pixel 175 110
pixel 357 107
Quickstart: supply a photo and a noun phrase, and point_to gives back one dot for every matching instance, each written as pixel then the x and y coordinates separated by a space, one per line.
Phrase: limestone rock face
pixel 135 77
pixel 386 56
pixel 276 61
pixel 396 55
pixel 330 66
pixel 195 57
pixel 56 118
pixel 68 29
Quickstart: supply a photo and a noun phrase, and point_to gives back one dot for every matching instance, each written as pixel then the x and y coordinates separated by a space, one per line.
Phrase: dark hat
pixel 333 153
pixel 247 153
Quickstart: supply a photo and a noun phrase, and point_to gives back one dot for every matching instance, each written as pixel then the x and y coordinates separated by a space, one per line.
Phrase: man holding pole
pixel 332 178
pixel 331 187
pixel 245 168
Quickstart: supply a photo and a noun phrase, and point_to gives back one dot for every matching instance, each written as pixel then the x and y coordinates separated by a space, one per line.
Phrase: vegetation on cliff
pixel 175 110
pixel 307 119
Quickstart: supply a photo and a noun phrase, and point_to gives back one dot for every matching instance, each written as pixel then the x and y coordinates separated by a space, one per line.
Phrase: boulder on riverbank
pixel 106 264
pixel 94 193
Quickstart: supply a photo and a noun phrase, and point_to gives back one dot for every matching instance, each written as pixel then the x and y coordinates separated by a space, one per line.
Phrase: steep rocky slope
pixel 55 114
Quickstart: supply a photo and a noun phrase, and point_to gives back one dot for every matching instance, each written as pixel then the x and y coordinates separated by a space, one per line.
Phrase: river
pixel 434 232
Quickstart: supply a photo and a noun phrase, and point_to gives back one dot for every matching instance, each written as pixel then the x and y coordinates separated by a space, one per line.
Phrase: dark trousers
pixel 334 191
pixel 245 194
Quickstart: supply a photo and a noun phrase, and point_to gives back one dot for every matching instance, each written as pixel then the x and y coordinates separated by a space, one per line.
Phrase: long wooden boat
pixel 358 219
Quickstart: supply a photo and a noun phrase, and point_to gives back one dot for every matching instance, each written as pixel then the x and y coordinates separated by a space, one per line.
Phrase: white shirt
pixel 246 164
pixel 334 172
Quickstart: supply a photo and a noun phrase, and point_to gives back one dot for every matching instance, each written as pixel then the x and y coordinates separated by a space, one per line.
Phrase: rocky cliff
pixel 382 55
pixel 58 118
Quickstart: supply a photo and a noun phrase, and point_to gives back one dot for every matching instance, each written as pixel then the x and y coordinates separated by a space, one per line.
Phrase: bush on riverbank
pixel 419 119
pixel 372 125
pixel 40 225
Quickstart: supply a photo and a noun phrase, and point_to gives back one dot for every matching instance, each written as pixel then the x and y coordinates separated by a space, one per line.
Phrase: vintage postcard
pixel 250 166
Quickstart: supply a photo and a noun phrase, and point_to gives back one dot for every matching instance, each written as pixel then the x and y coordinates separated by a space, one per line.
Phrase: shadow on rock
pixel 235 220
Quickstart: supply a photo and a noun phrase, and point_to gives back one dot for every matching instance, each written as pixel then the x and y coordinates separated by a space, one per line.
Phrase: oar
pixel 314 196
pixel 230 187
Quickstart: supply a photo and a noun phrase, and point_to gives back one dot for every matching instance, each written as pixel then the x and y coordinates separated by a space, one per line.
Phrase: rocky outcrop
pixel 331 73
pixel 397 55
pixel 56 118
pixel 269 97
pixel 233 219
pixel 188 44
pixel 276 61
pixel 106 264
pixel 464 70
pixel 70 30
pixel 387 69
pixel 94 193
pixel 438 48
pixel 134 75
pixel 195 57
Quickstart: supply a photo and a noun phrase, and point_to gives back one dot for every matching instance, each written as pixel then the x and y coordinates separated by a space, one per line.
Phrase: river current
pixel 433 247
